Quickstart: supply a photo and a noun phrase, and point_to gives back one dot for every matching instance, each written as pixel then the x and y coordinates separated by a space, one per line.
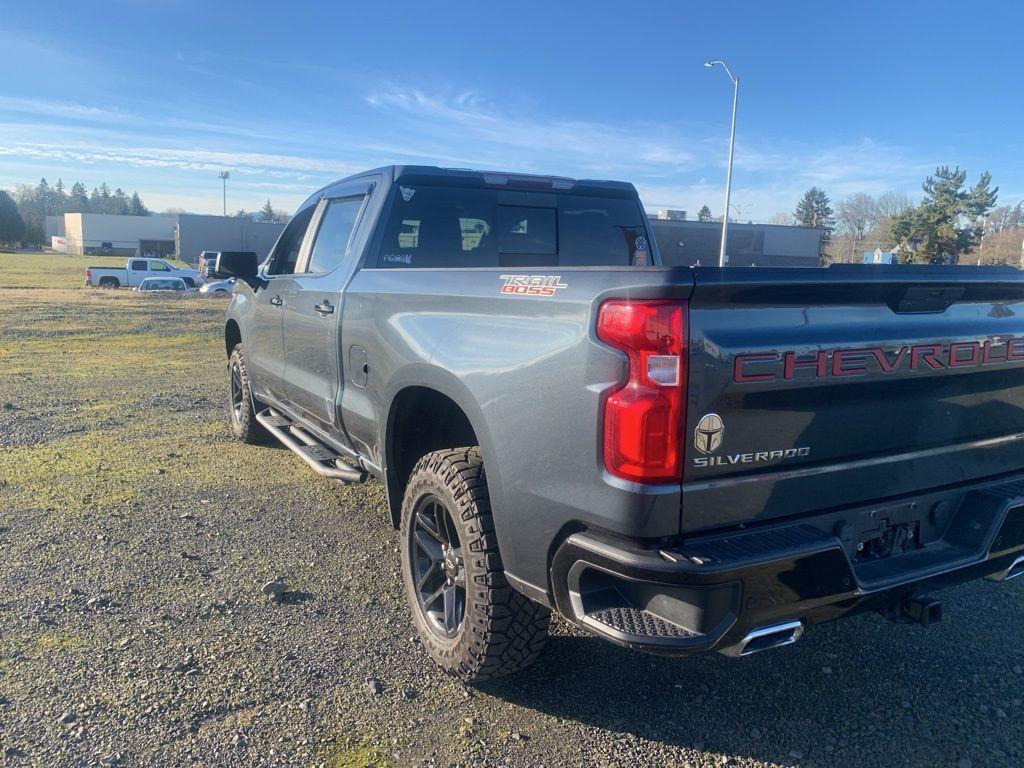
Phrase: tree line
pixel 952 223
pixel 23 213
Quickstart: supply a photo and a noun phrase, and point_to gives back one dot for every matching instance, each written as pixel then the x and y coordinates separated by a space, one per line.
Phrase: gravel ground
pixel 136 537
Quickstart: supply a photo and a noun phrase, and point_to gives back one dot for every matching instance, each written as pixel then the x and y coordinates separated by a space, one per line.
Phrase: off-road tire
pixel 242 416
pixel 502 631
pixel 109 282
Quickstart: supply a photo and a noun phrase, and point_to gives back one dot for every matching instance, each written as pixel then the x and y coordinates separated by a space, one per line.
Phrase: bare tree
pixel 782 218
pixel 856 215
pixel 891 204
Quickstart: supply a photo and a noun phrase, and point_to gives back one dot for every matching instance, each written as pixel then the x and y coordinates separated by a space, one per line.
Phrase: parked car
pixel 218 287
pixel 137 270
pixel 677 460
pixel 174 284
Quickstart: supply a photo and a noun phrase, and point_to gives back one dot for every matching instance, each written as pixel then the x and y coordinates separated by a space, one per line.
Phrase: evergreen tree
pixel 948 222
pixel 43 196
pixel 12 226
pixel 704 214
pixel 78 200
pixel 136 206
pixel 60 197
pixel 119 202
pixel 815 210
pixel 267 212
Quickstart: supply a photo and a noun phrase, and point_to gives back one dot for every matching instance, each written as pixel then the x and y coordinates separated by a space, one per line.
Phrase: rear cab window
pixel 433 225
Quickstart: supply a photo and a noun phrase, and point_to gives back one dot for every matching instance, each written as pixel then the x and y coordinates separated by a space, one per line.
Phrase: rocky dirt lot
pixel 136 537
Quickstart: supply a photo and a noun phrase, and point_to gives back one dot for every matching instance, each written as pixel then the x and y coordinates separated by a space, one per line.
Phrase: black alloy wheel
pixel 237 390
pixel 438 567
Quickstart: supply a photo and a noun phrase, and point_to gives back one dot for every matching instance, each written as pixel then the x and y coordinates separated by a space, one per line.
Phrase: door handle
pixel 324 309
pixel 277 301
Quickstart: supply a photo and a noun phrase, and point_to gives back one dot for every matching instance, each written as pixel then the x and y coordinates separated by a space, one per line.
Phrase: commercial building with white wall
pixel 100 233
pixel 184 235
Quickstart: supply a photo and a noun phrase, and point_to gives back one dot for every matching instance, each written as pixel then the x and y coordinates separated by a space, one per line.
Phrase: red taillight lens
pixel 643 420
pixel 88 274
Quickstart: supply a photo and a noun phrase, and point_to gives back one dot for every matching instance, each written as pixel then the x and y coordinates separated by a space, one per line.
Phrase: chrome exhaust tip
pixel 765 638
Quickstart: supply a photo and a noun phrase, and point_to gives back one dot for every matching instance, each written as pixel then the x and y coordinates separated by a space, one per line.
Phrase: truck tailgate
pixel 814 389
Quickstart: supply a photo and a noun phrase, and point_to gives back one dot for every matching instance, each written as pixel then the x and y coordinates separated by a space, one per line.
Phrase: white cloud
pixel 466 118
pixel 252 163
pixel 670 167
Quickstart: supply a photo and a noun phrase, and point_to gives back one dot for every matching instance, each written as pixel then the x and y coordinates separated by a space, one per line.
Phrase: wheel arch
pixel 426 417
pixel 232 336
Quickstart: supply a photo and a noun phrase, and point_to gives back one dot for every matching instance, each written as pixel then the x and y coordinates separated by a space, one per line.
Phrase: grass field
pixel 52 270
pixel 136 535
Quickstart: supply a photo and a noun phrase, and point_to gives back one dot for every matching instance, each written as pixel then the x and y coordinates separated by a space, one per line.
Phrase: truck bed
pixel 847 384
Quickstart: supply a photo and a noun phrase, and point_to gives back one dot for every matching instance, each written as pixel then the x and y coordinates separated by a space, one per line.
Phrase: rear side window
pixel 334 235
pixel 432 226
pixel 440 227
pixel 138 266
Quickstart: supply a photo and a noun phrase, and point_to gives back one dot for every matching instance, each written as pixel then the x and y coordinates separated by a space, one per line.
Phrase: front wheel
pixel 243 413
pixel 471 622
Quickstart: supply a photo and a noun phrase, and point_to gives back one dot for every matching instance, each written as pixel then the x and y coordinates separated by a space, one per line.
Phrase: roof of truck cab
pixel 471 177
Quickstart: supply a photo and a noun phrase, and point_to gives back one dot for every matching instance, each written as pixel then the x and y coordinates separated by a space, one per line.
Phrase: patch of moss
pixel 59 642
pixel 357 753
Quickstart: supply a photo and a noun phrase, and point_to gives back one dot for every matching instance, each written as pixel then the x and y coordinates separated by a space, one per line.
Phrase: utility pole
pixel 224 176
pixel 722 256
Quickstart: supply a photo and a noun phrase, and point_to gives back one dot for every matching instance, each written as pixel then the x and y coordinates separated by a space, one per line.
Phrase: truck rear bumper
pixel 752 589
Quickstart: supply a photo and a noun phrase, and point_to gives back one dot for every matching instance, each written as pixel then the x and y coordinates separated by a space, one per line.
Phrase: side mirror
pixel 241 264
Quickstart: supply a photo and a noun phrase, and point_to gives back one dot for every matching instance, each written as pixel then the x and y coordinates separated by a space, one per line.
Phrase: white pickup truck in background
pixel 137 270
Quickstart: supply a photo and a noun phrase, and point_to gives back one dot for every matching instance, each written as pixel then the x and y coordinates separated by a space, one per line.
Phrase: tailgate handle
pixel 927 298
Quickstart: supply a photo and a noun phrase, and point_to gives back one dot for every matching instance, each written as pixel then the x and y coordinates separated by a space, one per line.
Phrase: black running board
pixel 318 456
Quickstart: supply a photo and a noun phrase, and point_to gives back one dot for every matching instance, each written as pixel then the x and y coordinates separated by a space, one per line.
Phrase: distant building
pixel 672 215
pixel 54 226
pixel 111 235
pixel 196 233
pixel 184 235
pixel 878 256
pixel 692 243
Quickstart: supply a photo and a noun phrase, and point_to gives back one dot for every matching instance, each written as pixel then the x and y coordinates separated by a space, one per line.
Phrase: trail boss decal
pixel 531 285
pixel 708 437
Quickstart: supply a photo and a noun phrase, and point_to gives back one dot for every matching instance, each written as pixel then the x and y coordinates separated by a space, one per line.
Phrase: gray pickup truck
pixel 676 460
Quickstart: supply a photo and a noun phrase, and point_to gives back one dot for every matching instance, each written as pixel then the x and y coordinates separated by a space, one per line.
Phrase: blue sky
pixel 854 96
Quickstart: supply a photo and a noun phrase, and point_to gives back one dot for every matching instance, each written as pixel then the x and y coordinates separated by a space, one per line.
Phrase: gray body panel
pixel 531 376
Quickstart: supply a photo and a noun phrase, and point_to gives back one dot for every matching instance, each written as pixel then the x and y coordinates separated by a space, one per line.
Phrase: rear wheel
pixel 471 622
pixel 109 282
pixel 243 412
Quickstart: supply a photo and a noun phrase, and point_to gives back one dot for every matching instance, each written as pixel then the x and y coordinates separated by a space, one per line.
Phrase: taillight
pixel 643 420
pixel 88 274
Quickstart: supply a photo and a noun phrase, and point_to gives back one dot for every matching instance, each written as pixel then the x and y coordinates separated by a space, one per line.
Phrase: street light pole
pixel 224 176
pixel 722 257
